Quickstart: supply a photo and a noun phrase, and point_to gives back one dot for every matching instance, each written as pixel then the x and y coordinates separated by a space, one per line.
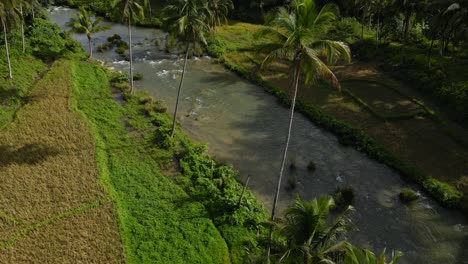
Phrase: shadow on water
pixel 219 78
pixel 27 154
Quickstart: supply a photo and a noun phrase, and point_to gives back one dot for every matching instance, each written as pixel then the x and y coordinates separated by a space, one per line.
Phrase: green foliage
pixel 344 197
pixel 444 81
pixel 138 76
pixel 443 192
pixel 47 39
pixel 159 221
pixel 14 93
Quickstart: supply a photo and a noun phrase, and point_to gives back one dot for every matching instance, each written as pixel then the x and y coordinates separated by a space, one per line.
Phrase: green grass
pixel 13 93
pixel 160 222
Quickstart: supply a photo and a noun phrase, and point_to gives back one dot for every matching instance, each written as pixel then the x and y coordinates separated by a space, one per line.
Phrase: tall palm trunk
pixel 130 52
pixel 6 48
pixel 285 154
pixel 22 28
pixel 180 88
pixel 405 35
pixel 90 45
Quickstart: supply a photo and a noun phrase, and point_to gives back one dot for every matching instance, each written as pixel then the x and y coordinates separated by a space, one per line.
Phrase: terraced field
pixel 52 207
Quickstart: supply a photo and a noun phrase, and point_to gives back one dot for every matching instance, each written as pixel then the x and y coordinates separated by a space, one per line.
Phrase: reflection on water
pixel 246 127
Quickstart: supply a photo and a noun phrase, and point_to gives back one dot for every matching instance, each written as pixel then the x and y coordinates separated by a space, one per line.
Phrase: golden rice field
pixel 52 207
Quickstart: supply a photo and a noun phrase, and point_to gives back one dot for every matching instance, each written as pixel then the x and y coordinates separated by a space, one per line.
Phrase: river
pixel 244 126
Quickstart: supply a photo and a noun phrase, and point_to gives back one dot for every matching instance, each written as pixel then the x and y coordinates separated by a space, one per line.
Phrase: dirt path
pixel 52 207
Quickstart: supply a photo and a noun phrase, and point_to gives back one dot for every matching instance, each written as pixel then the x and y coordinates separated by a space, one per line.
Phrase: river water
pixel 246 127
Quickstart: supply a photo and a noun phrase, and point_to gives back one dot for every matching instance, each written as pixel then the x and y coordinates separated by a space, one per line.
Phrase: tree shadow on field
pixel 26 154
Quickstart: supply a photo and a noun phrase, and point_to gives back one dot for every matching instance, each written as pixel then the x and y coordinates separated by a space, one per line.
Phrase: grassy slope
pixel 235 45
pixel 160 223
pixel 13 93
pixel 52 208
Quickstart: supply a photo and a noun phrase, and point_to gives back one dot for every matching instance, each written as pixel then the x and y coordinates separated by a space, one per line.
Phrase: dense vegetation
pixel 174 203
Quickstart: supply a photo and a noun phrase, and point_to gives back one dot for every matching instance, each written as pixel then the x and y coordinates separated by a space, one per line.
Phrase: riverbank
pixel 405 144
pixel 169 195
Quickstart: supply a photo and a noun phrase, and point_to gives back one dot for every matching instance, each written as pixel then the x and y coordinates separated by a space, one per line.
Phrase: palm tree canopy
pixel 9 12
pixel 218 11
pixel 131 9
pixel 308 229
pixel 185 20
pixel 298 32
pixel 356 255
pixel 84 23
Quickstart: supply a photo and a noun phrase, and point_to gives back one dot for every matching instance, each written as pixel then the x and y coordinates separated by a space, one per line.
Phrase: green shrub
pixel 443 192
pixel 343 197
pixel 47 39
pixel 138 77
pixel 121 50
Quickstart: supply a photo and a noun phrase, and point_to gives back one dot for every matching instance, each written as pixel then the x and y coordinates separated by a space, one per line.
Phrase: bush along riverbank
pixel 169 194
pixel 441 191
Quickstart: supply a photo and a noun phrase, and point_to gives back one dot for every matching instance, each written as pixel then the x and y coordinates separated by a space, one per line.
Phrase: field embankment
pixel 174 203
pixel 52 207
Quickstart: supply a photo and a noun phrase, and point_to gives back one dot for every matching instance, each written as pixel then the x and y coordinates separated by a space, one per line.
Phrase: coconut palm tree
pixel 299 31
pixel 309 233
pixel 364 7
pixel 218 11
pixel 356 255
pixel 83 23
pixel 8 15
pixel 186 22
pixel 131 11
pixel 22 3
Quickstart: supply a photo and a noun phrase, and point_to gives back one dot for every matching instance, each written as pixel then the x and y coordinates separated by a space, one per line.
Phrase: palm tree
pixel 8 14
pixel 186 23
pixel 299 31
pixel 131 10
pixel 309 234
pixel 355 255
pixel 21 4
pixel 364 7
pixel 408 8
pixel 218 11
pixel 84 23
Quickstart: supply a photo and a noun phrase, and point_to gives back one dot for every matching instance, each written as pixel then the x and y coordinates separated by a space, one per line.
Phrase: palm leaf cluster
pixel 85 24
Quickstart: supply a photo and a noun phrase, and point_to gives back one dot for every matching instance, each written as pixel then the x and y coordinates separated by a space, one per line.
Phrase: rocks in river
pixel 408 195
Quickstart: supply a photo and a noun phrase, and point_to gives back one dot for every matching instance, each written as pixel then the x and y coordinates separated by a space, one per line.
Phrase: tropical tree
pixel 408 8
pixel 8 15
pixel 131 11
pixel 22 3
pixel 310 234
pixel 364 7
pixel 356 255
pixel 218 11
pixel 299 33
pixel 186 22
pixel 84 23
